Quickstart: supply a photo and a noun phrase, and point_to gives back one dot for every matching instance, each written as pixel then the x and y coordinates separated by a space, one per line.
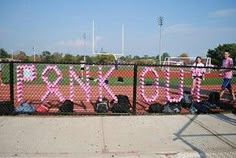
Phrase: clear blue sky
pixel 191 26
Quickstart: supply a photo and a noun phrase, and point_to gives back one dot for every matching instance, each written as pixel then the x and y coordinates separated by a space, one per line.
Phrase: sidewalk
pixel 118 136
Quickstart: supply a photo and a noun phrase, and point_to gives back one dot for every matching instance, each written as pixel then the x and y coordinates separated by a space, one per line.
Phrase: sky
pixel 189 26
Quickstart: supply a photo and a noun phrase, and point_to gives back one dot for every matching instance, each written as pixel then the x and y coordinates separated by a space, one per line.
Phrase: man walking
pixel 227 74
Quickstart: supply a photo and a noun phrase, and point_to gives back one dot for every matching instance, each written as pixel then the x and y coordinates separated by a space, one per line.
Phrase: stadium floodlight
pixel 122 39
pixel 160 23
pixel 84 42
pixel 93 39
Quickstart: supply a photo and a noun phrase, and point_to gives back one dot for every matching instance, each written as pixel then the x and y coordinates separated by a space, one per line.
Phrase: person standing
pixel 198 72
pixel 82 67
pixel 227 75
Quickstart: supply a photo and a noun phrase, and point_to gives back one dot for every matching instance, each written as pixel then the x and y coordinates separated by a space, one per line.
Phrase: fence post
pixel 11 82
pixel 135 88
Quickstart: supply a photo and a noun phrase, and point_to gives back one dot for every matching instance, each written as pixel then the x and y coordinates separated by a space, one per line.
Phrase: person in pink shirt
pixel 198 71
pixel 227 74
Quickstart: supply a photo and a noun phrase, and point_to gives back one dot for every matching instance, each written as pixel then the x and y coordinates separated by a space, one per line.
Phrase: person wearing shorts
pixel 227 74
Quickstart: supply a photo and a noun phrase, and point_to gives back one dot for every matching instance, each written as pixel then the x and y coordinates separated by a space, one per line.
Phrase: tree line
pixel 106 57
pixel 103 57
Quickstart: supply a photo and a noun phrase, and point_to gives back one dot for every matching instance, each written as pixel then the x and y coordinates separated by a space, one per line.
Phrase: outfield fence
pixel 50 84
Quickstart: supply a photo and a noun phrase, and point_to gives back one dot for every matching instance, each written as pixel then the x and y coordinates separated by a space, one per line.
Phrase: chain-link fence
pixel 54 88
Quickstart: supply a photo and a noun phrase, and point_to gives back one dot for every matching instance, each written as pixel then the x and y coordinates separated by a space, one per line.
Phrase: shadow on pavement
pixel 225 118
pixel 179 136
pixel 201 136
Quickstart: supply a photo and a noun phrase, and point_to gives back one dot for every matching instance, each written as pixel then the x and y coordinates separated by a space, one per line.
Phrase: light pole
pixel 93 38
pixel 160 23
pixel 84 43
pixel 122 39
pixel 34 53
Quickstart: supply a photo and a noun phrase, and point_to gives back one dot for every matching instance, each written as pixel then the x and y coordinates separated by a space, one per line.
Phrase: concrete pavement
pixel 118 136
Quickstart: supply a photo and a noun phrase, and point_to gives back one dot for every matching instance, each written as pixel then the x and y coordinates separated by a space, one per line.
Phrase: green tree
pixel 68 58
pixel 78 58
pixel 4 54
pixel 164 55
pixel 46 56
pixel 105 58
pixel 57 57
pixel 136 57
pixel 128 57
pixel 145 57
pixel 185 55
pixel 37 57
pixel 216 54
pixel 20 55
pixel 90 59
pixel 185 58
pixel 122 58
